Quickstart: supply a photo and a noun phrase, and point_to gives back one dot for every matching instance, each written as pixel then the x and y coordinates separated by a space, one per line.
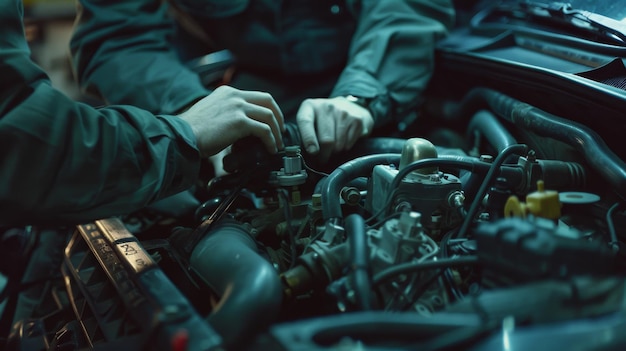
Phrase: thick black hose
pixel 586 141
pixel 363 147
pixel 362 166
pixel 359 261
pixel 227 260
pixel 375 145
pixel 490 127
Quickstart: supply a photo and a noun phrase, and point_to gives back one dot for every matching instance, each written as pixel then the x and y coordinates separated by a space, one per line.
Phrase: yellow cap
pixel 541 203
pixel 544 203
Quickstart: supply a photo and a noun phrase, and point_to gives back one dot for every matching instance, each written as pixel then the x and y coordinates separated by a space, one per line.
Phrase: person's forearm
pixel 62 161
pixel 122 51
pixel 391 55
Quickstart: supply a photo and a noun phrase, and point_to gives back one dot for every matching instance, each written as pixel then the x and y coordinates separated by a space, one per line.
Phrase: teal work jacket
pixel 134 51
pixel 66 162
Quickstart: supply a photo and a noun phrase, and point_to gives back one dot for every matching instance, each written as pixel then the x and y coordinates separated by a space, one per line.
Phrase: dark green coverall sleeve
pixel 392 53
pixel 131 41
pixel 62 161
pixel 122 51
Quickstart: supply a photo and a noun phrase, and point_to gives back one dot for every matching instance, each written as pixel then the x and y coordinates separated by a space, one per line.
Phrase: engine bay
pixel 492 220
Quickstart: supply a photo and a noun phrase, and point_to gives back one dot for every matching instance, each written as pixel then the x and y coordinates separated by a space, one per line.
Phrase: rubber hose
pixel 228 261
pixel 359 261
pixel 362 166
pixel 490 127
pixel 586 141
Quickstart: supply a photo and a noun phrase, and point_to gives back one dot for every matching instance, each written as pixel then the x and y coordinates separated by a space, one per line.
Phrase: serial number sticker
pixel 135 256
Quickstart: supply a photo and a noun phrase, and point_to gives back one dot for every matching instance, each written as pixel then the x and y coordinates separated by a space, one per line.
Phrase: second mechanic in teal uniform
pixel 340 67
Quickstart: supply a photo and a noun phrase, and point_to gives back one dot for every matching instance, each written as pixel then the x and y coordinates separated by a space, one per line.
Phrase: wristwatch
pixel 361 101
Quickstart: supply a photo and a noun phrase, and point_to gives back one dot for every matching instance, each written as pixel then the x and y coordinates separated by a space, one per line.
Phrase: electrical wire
pixel 290 233
pixel 420 290
pixel 303 225
pixel 454 292
pixel 313 239
pixel 489 178
pixel 611 225
pixel 320 173
pixel 413 267
pixel 382 221
pixel 449 282
pixel 383 208
pixel 434 249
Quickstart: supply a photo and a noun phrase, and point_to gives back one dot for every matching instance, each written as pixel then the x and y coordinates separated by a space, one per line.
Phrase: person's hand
pixel 331 125
pixel 229 114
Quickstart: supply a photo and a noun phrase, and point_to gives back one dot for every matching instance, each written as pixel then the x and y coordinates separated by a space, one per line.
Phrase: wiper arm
pixel 567 17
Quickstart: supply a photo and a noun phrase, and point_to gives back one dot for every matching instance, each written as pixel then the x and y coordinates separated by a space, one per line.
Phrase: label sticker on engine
pixel 114 230
pixel 135 256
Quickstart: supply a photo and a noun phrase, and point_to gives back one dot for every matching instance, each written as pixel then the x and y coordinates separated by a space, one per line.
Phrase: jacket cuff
pixel 183 160
pixel 357 84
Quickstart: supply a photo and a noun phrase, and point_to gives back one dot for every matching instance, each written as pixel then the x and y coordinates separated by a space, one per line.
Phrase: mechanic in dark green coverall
pixel 341 67
pixel 62 161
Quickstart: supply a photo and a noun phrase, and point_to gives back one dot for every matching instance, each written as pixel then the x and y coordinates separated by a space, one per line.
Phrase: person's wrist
pixel 359 100
pixel 365 103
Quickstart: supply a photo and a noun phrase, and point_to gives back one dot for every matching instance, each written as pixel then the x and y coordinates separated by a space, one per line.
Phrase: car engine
pixel 491 219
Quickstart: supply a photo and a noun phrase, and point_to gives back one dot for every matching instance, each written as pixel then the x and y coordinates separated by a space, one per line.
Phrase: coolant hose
pixel 362 166
pixel 586 141
pixel 227 260
pixel 488 125
pixel 375 145
pixel 359 261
